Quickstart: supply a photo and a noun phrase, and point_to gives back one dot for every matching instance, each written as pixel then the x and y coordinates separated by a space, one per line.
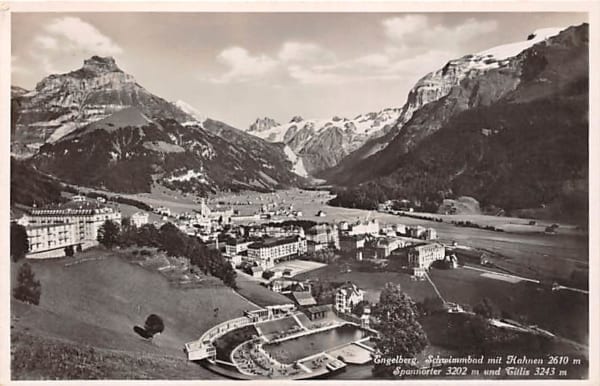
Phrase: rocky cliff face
pixel 98 127
pixel 473 80
pixel 60 104
pixel 321 144
pixel 262 124
pixel 513 137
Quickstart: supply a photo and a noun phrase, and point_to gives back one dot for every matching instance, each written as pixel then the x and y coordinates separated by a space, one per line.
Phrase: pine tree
pixel 108 234
pixel 19 244
pixel 28 289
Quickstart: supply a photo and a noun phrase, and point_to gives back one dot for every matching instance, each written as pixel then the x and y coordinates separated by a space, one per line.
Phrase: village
pixel 278 247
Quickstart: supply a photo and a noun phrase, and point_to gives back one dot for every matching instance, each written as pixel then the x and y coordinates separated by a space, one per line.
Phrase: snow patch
pixel 513 49
pixel 190 110
pixel 298 165
pixel 188 176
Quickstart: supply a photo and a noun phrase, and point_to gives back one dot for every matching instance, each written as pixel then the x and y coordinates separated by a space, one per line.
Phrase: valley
pixel 152 241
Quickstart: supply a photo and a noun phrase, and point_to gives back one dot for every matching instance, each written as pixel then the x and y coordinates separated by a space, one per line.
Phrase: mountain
pixel 60 104
pixel 191 111
pixel 262 124
pixel 30 187
pixel 321 144
pixel 455 87
pixel 514 136
pixel 124 139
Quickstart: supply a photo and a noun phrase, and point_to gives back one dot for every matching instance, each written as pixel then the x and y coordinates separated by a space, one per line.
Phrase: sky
pixel 236 67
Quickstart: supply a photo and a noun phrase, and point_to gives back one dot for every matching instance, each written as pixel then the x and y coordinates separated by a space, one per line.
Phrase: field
pixel 256 293
pixel 564 313
pixel 525 246
pixel 520 241
pixel 97 303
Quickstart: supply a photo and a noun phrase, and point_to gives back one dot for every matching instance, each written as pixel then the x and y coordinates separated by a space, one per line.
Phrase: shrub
pixel 28 289
pixel 19 244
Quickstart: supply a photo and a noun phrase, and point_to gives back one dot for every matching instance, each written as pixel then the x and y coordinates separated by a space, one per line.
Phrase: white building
pixel 430 234
pixel 270 251
pixel 139 219
pixel 235 247
pixel 79 226
pixel 364 228
pixel 347 297
pixel 324 234
pixel 420 257
pixel 49 240
pixel 417 232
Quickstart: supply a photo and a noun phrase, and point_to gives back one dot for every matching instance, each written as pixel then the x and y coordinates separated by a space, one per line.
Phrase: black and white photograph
pixel 285 194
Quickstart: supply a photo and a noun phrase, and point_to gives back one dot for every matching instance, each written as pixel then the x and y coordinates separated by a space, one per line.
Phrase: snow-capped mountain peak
pixel 506 51
pixel 322 143
pixel 190 110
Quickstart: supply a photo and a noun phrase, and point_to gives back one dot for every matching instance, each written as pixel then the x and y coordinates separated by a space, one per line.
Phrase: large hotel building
pixel 269 251
pixel 76 224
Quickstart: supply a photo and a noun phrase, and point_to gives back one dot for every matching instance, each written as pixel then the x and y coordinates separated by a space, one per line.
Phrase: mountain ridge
pixel 100 128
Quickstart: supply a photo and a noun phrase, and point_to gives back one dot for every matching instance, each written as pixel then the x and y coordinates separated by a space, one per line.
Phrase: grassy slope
pixel 97 303
pixel 258 294
pixel 564 313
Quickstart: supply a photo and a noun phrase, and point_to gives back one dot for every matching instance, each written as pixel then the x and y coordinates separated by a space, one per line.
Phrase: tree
pixel 108 234
pixel 359 308
pixel 126 223
pixel 486 308
pixel 401 334
pixel 154 324
pixel 69 251
pixel 19 244
pixel 28 289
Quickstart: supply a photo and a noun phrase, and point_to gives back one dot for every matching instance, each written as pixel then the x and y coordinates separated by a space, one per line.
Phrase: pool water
pixel 292 350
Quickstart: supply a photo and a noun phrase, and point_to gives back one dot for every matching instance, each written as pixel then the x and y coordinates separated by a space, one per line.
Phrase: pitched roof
pixel 304 298
pixel 315 309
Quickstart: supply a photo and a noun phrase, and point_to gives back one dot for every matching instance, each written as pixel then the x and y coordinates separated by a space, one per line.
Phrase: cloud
pixel 64 40
pixel 73 34
pixel 242 66
pixel 419 31
pixel 291 52
pixel 413 46
pixel 16 67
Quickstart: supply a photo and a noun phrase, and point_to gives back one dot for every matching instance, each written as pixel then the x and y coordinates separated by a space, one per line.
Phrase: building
pixel 417 232
pixel 317 312
pixel 234 260
pixel 50 230
pixel 49 240
pixel 430 234
pixel 236 247
pixel 312 247
pixel 400 229
pixel 324 234
pixel 421 256
pixel 364 228
pixel 349 244
pixel 270 251
pixel 303 298
pixel 139 219
pixel 382 247
pixel 347 297
pixel 78 198
pixel 257 271
pixel 163 211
